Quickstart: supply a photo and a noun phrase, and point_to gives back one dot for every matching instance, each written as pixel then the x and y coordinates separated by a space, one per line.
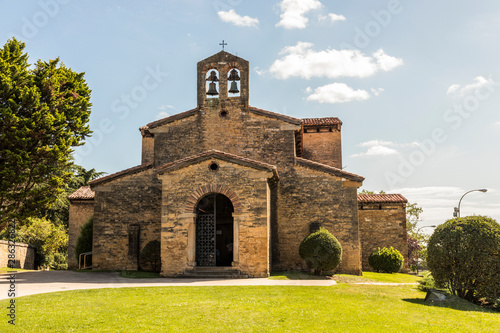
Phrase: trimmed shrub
pixel 387 260
pixel 150 258
pixel 321 251
pixel 464 256
pixel 84 241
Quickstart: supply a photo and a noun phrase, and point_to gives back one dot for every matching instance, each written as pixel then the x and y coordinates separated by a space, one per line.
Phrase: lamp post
pixel 456 213
pixel 426 226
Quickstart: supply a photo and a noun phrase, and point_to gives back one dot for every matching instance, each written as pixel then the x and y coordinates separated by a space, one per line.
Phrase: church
pixel 228 187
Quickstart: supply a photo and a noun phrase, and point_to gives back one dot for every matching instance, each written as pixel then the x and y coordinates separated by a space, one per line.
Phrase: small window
pixel 213 166
pixel 223 114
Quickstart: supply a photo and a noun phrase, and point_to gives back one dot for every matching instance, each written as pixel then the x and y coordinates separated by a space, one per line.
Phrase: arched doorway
pixel 214 231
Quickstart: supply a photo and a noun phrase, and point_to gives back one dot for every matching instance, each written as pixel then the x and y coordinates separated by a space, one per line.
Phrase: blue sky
pixel 416 83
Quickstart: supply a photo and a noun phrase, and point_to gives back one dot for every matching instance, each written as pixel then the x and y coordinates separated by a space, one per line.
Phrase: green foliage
pixel 388 260
pixel 427 283
pixel 321 251
pixel 413 212
pixel 464 256
pixel 150 258
pixel 84 240
pixel 44 112
pixel 50 242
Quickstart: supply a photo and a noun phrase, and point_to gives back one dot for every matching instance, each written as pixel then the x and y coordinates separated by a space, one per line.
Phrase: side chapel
pixel 228 186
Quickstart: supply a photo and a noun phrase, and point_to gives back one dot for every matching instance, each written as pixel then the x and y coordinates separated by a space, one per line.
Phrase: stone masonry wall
pixel 382 225
pixel 79 212
pixel 323 146
pixel 251 219
pixel 309 196
pixel 120 206
pixel 25 255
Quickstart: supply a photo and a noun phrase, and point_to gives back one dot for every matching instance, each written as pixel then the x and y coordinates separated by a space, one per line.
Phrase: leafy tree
pixel 321 251
pixel 413 212
pixel 387 260
pixel 371 192
pixel 44 112
pixel 464 256
pixel 414 254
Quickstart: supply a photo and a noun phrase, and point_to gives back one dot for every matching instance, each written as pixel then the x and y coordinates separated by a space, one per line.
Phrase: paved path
pixel 38 282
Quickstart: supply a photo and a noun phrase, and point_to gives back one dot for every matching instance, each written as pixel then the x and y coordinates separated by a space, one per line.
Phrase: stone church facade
pixel 230 185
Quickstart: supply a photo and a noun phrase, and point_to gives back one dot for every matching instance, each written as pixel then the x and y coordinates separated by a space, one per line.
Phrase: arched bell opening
pixel 214 231
pixel 234 86
pixel 212 83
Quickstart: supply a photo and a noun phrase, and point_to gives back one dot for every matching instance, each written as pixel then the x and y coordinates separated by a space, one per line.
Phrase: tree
pixel 414 249
pixel 464 256
pixel 371 192
pixel 84 240
pixel 413 212
pixel 387 260
pixel 44 112
pixel 321 251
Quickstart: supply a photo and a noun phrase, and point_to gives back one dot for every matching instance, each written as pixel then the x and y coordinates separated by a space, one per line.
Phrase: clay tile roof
pixel 275 115
pixel 83 193
pixel 321 121
pixel 169 119
pixel 327 168
pixel 220 154
pixel 381 198
pixel 129 171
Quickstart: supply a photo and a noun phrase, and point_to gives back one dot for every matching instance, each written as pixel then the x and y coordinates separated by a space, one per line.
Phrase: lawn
pixel 346 278
pixel 340 308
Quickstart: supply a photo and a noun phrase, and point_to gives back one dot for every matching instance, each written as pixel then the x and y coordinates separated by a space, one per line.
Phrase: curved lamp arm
pixel 480 190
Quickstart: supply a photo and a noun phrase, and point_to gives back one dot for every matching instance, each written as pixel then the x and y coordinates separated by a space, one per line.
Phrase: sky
pixel 415 83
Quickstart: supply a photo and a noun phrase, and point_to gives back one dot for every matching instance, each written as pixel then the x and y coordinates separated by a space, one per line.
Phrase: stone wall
pixel 248 190
pixel 323 145
pixel 308 196
pixel 79 212
pixel 382 225
pixel 123 206
pixel 25 255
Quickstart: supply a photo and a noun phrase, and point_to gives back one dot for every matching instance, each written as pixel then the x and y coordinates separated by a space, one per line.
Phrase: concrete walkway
pixel 38 282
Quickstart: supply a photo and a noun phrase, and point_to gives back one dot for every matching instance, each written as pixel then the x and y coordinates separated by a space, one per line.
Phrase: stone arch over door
pixel 212 188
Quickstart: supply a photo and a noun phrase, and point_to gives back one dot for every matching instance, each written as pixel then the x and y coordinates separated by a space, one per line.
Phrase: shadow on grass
pixel 452 302
pixel 285 275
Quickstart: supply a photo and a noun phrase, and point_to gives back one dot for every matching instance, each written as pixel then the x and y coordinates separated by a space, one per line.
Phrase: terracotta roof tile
pixel 321 121
pixel 327 168
pixel 83 193
pixel 275 115
pixel 129 171
pixel 381 198
pixel 216 153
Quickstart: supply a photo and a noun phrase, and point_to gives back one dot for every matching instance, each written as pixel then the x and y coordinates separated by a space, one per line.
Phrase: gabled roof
pixel 170 119
pixel 321 121
pixel 220 155
pixel 222 55
pixel 125 172
pixel 381 198
pixel 329 169
pixel 288 119
pixel 83 193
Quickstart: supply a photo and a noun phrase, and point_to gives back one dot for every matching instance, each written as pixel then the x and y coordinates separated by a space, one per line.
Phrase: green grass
pixel 7 269
pixel 346 278
pixel 341 308
pixel 287 275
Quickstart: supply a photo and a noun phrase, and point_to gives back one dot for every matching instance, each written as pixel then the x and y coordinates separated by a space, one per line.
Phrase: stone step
pixel 214 273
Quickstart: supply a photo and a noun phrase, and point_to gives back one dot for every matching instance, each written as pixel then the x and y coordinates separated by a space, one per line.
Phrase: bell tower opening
pixel 223 79
pixel 214 231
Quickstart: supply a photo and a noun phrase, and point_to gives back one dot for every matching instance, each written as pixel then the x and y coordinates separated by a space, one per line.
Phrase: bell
pixel 234 88
pixel 212 89
pixel 213 76
pixel 233 75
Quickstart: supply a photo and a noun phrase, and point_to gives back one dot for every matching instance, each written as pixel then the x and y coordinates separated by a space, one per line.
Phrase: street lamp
pixel 418 254
pixel 456 213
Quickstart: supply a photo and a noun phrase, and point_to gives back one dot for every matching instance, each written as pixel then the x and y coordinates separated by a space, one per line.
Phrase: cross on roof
pixel 223 44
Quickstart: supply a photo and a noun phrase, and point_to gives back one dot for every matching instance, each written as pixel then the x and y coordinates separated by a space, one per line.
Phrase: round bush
pixel 84 240
pixel 321 251
pixel 150 258
pixel 387 260
pixel 463 255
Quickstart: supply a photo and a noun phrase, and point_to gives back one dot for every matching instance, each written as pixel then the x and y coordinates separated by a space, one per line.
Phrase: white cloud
pixel 377 91
pixel 300 60
pixel 337 93
pixel 293 12
pixel 372 143
pixel 383 148
pixel 332 17
pixel 242 21
pixel 259 71
pixel 162 115
pixel 479 82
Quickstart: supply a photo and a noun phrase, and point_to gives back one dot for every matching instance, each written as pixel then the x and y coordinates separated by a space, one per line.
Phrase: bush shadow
pixel 452 302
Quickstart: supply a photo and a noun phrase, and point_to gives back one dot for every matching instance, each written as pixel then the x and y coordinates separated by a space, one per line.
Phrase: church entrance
pixel 214 231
